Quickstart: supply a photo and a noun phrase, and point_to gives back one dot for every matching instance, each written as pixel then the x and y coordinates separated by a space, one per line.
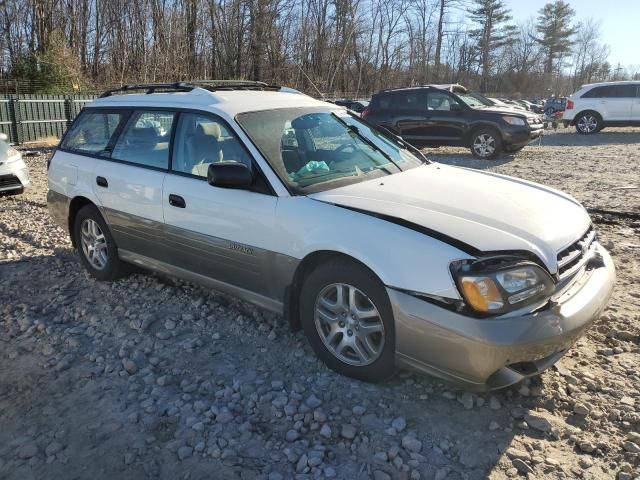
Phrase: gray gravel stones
pixel 399 424
pixel 225 387
pixel 538 422
pixel 411 443
pixel 313 402
pixel 130 366
pixel 522 466
pixel 292 435
pixel 53 448
pixel 380 475
pixel 185 452
pixel 348 431
pixel 27 451
pixel 325 431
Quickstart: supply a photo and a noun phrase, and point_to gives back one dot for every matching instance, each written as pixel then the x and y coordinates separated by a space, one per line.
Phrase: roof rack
pixel 187 86
pixel 149 88
pixel 438 86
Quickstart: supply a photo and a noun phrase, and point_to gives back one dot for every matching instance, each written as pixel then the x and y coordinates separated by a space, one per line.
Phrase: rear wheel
pixel 347 318
pixel 96 246
pixel 588 123
pixel 486 144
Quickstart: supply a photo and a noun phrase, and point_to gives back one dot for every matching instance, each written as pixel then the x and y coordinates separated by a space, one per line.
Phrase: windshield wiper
pixel 377 129
pixel 356 130
pixel 407 146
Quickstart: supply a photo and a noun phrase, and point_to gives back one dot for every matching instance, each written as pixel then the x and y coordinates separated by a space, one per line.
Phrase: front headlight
pixel 13 155
pixel 514 120
pixel 498 285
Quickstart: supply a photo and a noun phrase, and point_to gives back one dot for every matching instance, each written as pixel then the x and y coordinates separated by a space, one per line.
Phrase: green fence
pixel 28 118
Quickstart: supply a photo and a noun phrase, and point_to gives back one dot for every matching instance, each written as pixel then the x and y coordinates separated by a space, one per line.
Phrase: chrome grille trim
pixel 572 258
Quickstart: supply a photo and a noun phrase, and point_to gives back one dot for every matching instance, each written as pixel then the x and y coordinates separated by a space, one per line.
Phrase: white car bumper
pixel 14 175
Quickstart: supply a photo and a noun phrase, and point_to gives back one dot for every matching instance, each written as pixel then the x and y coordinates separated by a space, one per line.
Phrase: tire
pixel 98 239
pixel 486 143
pixel 328 325
pixel 588 123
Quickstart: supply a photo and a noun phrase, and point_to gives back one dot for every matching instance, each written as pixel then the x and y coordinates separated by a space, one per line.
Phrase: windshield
pixel 473 99
pixel 316 149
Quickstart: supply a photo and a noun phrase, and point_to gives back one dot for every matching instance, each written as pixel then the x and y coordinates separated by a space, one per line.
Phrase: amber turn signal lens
pixel 482 294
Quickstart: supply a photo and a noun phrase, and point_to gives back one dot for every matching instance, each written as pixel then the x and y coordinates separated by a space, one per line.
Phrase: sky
pixel 619 27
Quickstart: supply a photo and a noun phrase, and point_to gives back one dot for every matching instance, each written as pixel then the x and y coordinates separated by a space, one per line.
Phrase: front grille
pixel 9 181
pixel 572 258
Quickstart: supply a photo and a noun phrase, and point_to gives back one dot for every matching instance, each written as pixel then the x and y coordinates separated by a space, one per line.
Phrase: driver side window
pixel 202 140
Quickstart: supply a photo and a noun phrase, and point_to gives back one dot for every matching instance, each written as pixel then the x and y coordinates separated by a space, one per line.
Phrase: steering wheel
pixel 344 146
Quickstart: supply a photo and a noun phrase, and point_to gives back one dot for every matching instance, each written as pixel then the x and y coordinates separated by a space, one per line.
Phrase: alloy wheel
pixel 349 324
pixel 94 244
pixel 484 145
pixel 588 123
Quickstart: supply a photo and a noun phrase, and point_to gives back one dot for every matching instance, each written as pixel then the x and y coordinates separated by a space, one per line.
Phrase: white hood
pixel 488 211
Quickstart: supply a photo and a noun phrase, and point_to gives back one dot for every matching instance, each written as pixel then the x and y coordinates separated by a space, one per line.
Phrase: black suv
pixel 437 115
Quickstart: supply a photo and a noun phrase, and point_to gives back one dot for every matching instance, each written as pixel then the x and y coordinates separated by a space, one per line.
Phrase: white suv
pixel 383 257
pixel 600 105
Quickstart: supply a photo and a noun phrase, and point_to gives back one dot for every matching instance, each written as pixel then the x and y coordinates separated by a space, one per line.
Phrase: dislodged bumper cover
pixel 474 351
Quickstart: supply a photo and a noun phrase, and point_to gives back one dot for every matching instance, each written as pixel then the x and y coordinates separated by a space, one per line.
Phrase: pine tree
pixel 493 32
pixel 556 31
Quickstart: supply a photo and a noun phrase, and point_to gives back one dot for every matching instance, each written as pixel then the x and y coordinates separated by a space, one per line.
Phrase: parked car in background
pixel 532 107
pixel 514 104
pixel 554 104
pixel 14 174
pixel 599 105
pixel 384 258
pixel 357 106
pixel 437 115
pixel 536 107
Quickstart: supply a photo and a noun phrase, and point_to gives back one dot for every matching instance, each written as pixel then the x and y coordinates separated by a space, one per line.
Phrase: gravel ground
pixel 153 377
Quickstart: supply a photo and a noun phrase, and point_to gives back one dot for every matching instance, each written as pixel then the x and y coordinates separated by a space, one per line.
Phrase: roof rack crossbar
pixel 188 85
pixel 150 88
pixel 227 83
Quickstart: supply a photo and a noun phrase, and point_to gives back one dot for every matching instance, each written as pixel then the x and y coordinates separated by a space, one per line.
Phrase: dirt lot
pixel 154 377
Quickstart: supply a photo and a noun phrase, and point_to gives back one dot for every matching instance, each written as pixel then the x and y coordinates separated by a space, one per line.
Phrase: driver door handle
pixel 177 201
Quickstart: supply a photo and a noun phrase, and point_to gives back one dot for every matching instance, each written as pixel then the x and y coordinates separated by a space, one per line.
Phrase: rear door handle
pixel 102 182
pixel 177 201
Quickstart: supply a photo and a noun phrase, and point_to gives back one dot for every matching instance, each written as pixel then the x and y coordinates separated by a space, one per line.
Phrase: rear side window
pixel 145 139
pixel 612 91
pixel 381 102
pixel 92 132
pixel 623 91
pixel 596 92
pixel 410 100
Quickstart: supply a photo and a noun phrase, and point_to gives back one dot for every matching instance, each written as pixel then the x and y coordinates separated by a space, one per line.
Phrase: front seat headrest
pixel 211 129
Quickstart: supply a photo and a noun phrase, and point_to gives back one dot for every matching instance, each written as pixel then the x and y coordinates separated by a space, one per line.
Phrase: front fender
pixel 399 256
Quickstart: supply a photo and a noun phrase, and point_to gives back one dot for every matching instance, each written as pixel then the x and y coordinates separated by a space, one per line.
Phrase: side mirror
pixel 229 175
pixel 456 107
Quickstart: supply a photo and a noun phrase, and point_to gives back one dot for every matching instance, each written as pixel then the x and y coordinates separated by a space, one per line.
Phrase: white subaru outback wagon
pixel 383 258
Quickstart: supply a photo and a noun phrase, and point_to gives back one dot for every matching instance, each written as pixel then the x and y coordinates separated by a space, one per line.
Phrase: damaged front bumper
pixel 493 353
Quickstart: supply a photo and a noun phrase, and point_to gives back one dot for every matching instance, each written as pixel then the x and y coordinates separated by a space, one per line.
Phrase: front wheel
pixel 486 144
pixel 347 318
pixel 588 123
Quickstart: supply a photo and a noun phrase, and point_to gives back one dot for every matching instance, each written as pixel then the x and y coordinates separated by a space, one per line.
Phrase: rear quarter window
pixel 92 132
